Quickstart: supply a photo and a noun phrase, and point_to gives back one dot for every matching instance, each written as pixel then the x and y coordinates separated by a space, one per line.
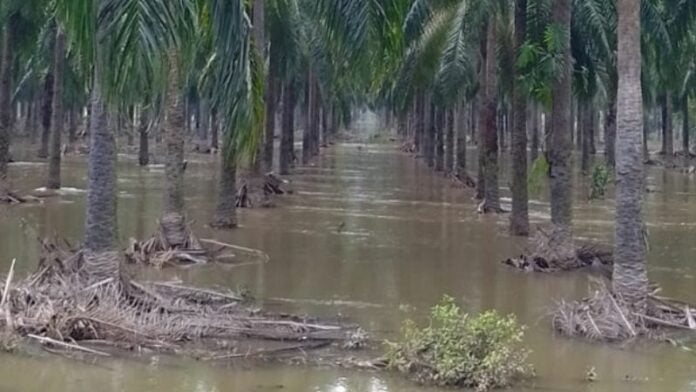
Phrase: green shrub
pixel 538 174
pixel 481 352
pixel 600 180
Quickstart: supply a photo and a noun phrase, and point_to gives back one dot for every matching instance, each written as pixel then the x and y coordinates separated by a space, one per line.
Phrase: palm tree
pixel 58 120
pixel 128 65
pixel 487 121
pixel 560 146
pixel 519 219
pixel 630 280
pixel 172 220
pixel 5 100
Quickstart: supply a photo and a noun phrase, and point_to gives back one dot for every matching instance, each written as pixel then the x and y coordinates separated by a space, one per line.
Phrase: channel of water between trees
pixel 374 236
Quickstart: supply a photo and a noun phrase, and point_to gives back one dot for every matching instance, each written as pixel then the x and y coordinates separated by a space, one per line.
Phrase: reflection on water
pixel 371 235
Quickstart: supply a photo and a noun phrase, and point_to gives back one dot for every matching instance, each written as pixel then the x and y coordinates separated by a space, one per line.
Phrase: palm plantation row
pixel 443 69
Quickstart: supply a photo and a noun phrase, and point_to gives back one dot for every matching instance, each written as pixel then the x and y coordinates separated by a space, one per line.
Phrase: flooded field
pixel 372 235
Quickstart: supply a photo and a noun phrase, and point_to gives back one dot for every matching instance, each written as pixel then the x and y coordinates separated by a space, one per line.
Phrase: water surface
pixel 372 235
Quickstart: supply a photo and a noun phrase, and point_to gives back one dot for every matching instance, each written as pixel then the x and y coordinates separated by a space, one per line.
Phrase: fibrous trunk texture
pixel 172 220
pixel 288 129
pixel 560 146
pixel 630 280
pixel 489 140
pixel 144 149
pixel 58 112
pixel 519 219
pixel 100 227
pixel 6 60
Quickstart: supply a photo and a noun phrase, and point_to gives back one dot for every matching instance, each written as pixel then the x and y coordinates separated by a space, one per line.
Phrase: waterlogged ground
pixel 372 235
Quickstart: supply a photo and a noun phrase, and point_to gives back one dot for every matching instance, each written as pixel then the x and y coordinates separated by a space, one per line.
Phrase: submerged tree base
pixel 68 310
pixel 159 251
pixel 606 317
pixel 259 191
pixel 464 180
pixel 544 256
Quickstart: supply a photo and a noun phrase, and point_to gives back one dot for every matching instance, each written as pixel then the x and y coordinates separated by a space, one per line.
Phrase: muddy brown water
pixel 371 235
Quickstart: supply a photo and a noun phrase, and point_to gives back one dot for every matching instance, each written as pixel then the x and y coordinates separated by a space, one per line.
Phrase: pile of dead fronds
pixel 82 302
pixel 543 256
pixel 161 251
pixel 259 192
pixel 605 316
pixel 174 243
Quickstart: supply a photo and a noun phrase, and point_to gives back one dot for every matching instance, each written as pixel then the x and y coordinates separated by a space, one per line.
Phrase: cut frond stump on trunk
pixel 606 317
pixel 259 192
pixel 66 309
pixel 543 257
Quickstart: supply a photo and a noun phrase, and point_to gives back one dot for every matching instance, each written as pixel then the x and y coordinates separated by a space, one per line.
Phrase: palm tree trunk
pixel 226 208
pixel 204 121
pixel 591 131
pixel 449 158
pixel 519 219
pixel 6 60
pixel 46 114
pixel 667 129
pixel 259 32
pixel 214 130
pixel 315 129
pixel 560 146
pixel 420 123
pixel 27 122
pixel 271 87
pixel 440 140
pixel 630 280
pixel 488 123
pixel 58 112
pixel 100 226
pixel 172 220
pixel 584 129
pixel 685 128
pixel 288 128
pixel 73 116
pixel 478 111
pixel 646 124
pixel 610 133
pixel 462 128
pixel 536 117
pixel 430 136
pixel 144 149
pixel 309 123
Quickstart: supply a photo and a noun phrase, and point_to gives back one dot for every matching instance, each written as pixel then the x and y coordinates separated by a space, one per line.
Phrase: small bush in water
pixel 481 352
pixel 600 180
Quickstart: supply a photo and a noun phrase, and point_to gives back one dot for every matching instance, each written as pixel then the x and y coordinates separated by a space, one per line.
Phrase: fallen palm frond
pixel 169 247
pixel 604 316
pixel 63 307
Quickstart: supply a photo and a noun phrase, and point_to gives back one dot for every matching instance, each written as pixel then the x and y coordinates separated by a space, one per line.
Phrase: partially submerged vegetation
pixel 456 349
pixel 606 316
pixel 69 310
pixel 543 256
